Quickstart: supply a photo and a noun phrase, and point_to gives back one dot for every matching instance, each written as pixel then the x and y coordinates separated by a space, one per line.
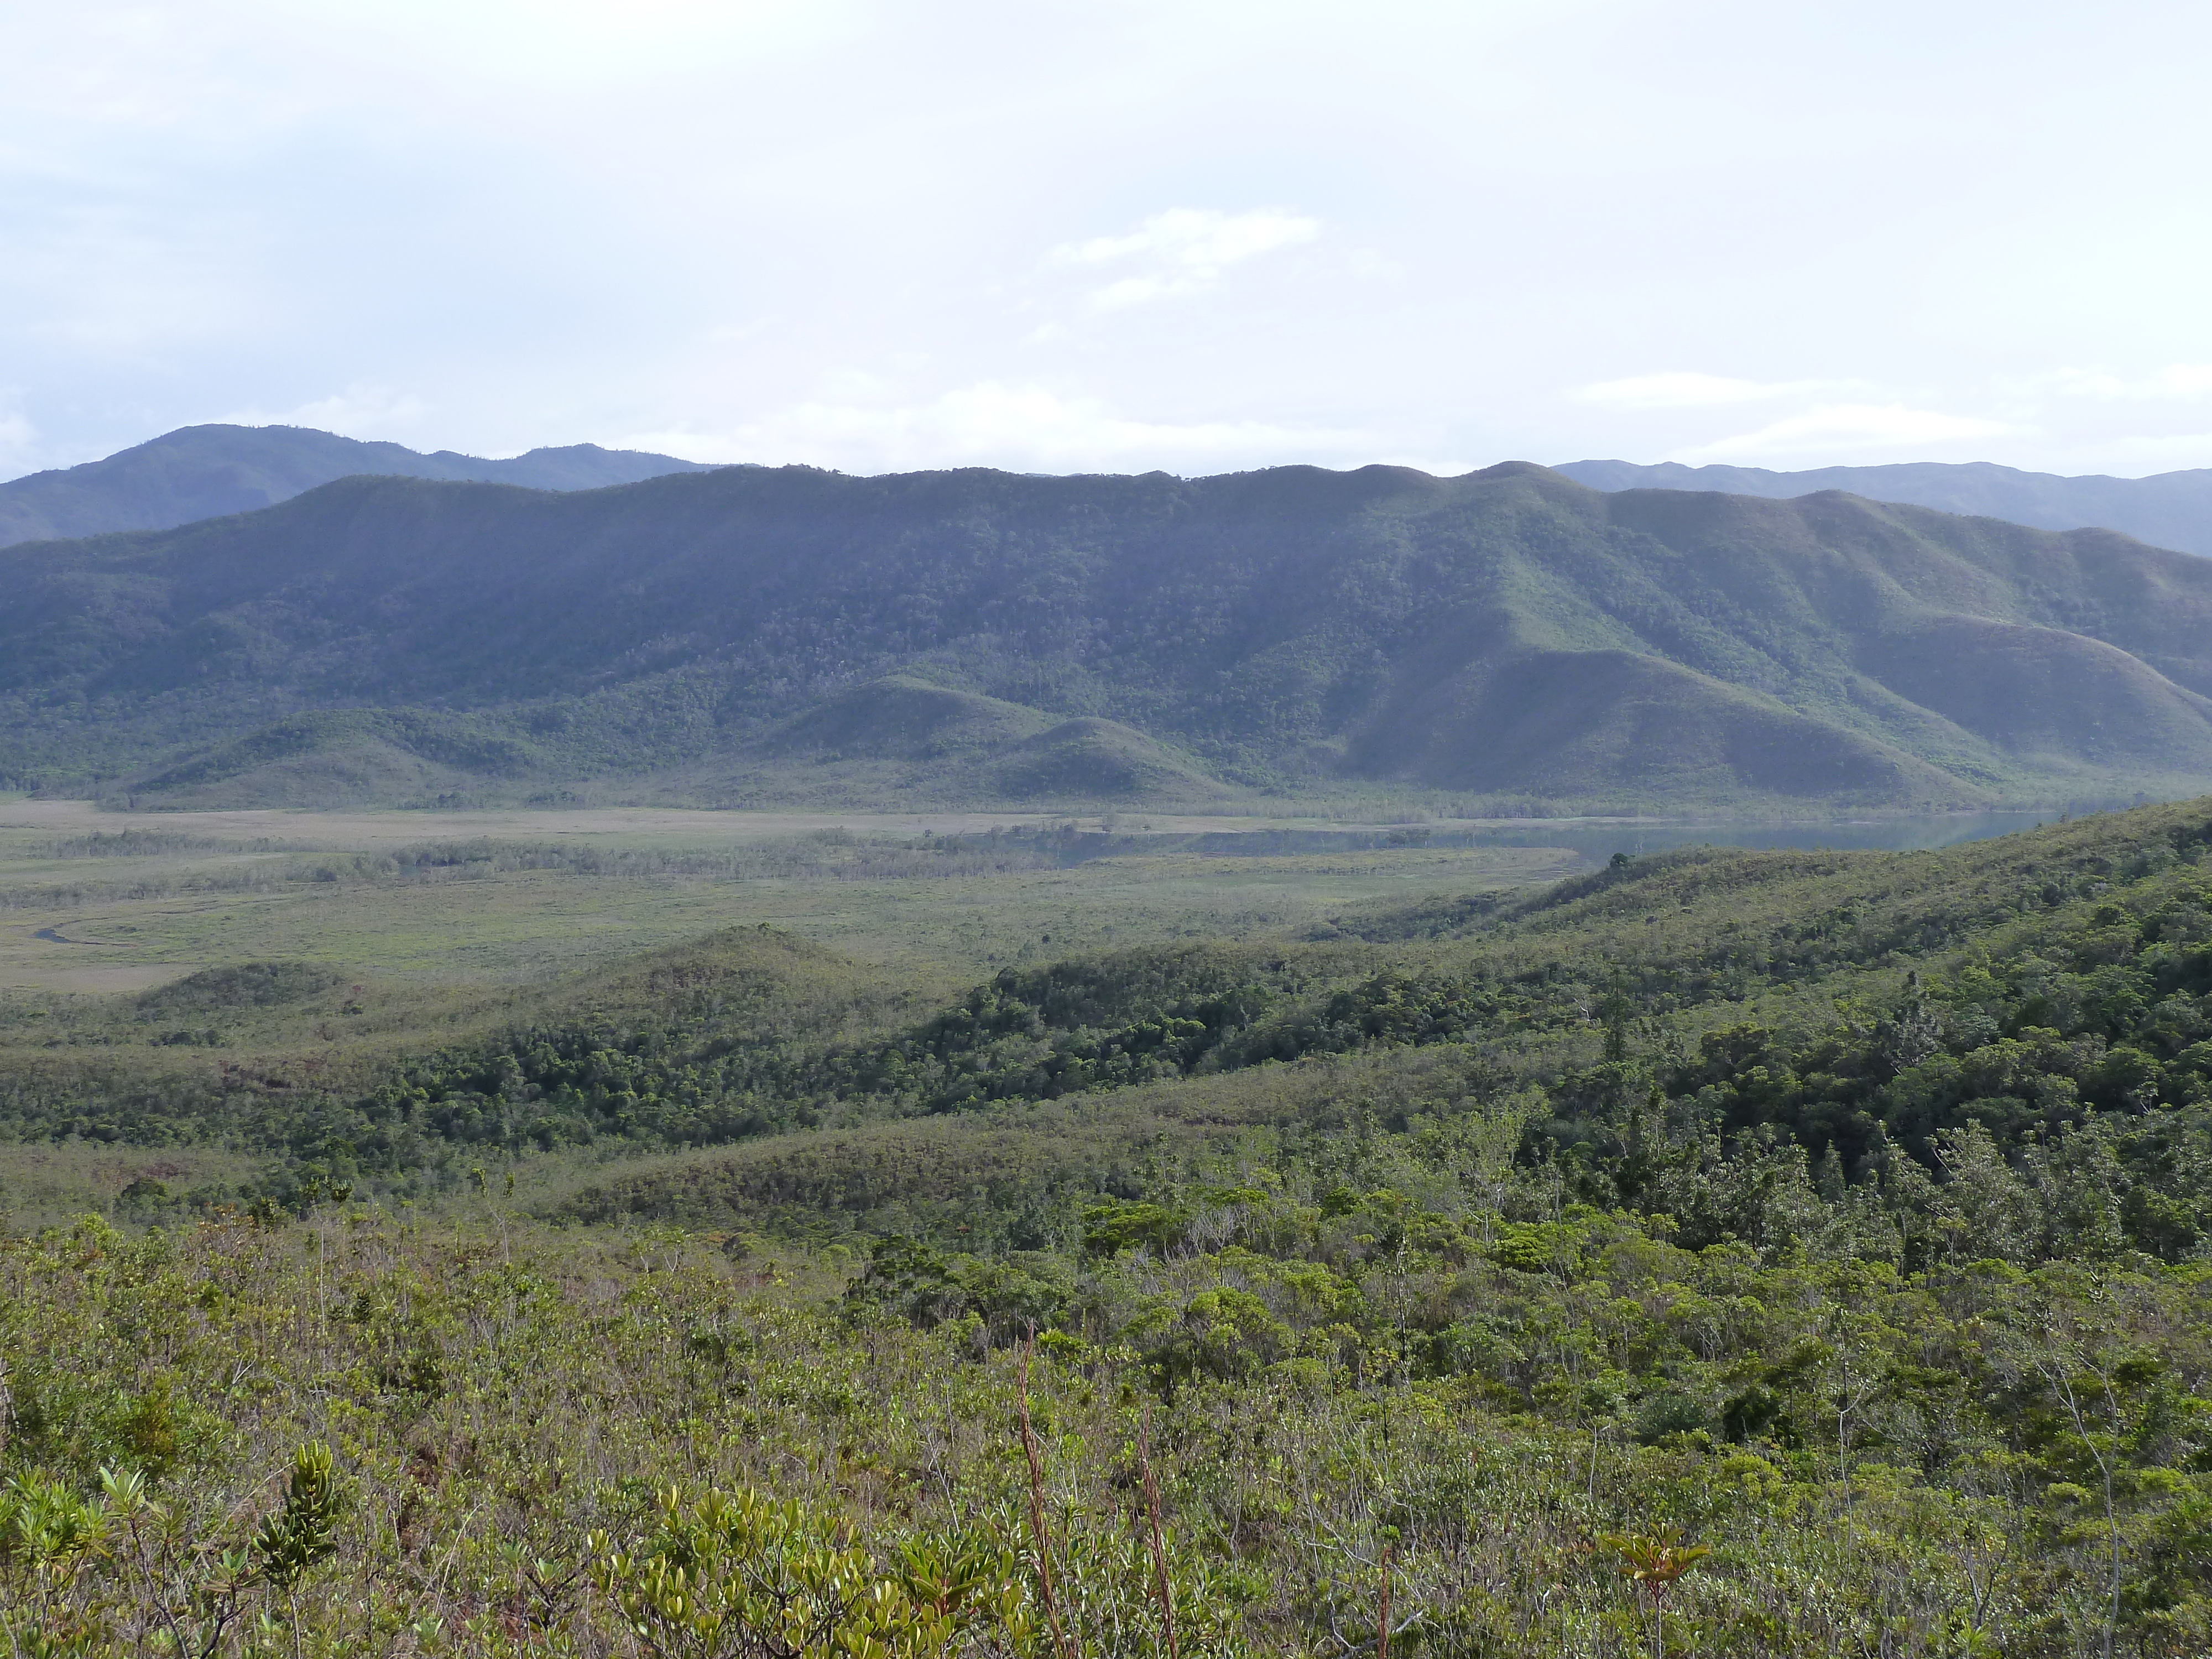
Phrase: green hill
pixel 204 471
pixel 764 635
pixel 349 757
pixel 900 718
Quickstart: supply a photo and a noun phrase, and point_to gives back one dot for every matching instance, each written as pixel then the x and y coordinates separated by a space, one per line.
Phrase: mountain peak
pixel 216 469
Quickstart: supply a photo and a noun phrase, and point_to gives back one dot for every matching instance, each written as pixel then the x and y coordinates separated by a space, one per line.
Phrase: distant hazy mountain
pixel 756 634
pixel 204 471
pixel 2171 509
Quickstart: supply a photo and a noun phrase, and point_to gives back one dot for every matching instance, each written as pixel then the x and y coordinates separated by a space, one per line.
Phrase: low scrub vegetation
pixel 1251 1409
pixel 1724 1253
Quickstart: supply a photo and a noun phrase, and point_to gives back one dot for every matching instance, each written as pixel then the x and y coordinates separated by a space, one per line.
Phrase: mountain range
pixel 2170 509
pixel 205 472
pixel 759 636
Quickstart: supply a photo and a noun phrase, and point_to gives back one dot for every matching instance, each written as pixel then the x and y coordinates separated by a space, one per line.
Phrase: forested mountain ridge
pixel 749 632
pixel 204 471
pixel 2167 509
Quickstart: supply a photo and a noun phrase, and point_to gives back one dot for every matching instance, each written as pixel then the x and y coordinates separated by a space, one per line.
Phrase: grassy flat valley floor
pixel 679 825
pixel 94 902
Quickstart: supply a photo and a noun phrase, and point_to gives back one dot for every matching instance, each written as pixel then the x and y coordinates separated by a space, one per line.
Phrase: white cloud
pixel 361 410
pixel 2191 381
pixel 1432 226
pixel 1851 427
pixel 2132 456
pixel 1689 390
pixel 1023 428
pixel 19 450
pixel 2175 383
pixel 1182 251
pixel 1372 264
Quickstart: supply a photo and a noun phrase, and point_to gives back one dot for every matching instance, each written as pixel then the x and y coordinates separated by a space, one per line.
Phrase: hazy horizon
pixel 1200 239
pixel 430 448
pixel 1348 465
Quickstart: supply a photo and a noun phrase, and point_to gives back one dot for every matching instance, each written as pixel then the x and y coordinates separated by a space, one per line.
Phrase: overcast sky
pixel 1115 236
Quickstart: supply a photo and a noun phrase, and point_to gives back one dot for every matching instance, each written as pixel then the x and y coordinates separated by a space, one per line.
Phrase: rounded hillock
pixel 901 717
pixel 240 985
pixel 1099 760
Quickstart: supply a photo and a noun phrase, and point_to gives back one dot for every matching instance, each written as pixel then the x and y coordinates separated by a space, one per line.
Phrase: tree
pixel 1653 1562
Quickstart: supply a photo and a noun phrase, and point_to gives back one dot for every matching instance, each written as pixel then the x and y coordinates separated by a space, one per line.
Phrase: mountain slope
pixel 205 472
pixel 980 635
pixel 2170 509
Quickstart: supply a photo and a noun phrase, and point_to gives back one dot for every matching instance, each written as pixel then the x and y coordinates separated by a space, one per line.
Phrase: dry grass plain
pixel 684 825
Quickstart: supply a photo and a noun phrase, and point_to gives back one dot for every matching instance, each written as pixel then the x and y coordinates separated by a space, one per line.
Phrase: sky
pixel 1118 236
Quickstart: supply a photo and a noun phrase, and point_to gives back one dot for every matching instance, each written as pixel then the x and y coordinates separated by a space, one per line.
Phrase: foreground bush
pixel 359 1437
